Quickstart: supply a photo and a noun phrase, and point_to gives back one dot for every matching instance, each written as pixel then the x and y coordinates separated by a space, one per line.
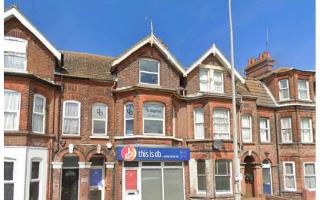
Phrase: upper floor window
pixel 309 176
pixel 198 123
pixel 306 130
pixel 15 50
pixel 11 110
pixel 149 71
pixel 99 119
pixel 223 176
pixel 303 89
pixel 153 118
pixel 34 187
pixel 221 123
pixel 38 114
pixel 264 130
pixel 8 179
pixel 289 176
pixel 284 93
pixel 246 128
pixel 129 118
pixel 211 80
pixel 286 130
pixel 71 118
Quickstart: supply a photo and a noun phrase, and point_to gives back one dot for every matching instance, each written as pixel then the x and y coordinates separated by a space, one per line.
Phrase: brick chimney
pixel 258 66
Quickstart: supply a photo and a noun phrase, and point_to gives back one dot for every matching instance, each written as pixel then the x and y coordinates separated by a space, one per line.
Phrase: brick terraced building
pixel 141 126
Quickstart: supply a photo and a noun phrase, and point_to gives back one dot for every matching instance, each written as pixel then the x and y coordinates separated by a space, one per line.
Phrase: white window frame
pixel 125 118
pixel 210 81
pixel 163 119
pixel 105 120
pixel 174 121
pixel 39 175
pixel 37 113
pixel 308 92
pixel 13 175
pixel 196 135
pixel 266 129
pixel 230 176
pixel 147 72
pixel 281 89
pixel 215 132
pixel 79 110
pixel 310 130
pixel 294 176
pixel 304 175
pixel 17 54
pixel 289 128
pixel 18 111
pixel 250 128
pixel 205 175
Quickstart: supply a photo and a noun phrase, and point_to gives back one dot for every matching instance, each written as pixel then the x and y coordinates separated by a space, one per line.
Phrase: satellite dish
pixel 217 144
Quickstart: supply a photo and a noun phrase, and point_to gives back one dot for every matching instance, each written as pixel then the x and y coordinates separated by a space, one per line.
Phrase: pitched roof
pixel 216 52
pixel 257 88
pixel 14 12
pixel 152 39
pixel 86 65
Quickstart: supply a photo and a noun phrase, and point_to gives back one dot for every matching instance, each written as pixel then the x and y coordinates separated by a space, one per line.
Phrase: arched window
pixel 11 110
pixel 71 118
pixel 153 119
pixel 129 118
pixel 221 123
pixel 38 114
pixel 99 119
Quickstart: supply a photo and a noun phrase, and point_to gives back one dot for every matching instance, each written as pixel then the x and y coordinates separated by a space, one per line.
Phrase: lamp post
pixel 237 194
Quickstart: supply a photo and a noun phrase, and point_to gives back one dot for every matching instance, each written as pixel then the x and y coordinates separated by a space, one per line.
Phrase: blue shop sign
pixel 132 153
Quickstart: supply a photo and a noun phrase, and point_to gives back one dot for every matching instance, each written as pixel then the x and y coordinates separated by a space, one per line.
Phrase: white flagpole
pixel 237 194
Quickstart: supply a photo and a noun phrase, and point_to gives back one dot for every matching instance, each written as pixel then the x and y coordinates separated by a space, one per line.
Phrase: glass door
pixel 69 190
pixel 267 179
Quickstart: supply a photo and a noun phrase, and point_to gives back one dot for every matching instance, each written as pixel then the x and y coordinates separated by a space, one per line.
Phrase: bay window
pixel 211 80
pixel 38 115
pixel 306 130
pixel 303 89
pixel 284 93
pixel 198 123
pixel 99 119
pixel 246 128
pixel 8 180
pixel 309 176
pixel 153 119
pixel 264 130
pixel 289 176
pixel 149 71
pixel 71 118
pixel 129 118
pixel 223 176
pixel 15 50
pixel 221 123
pixel 286 130
pixel 34 187
pixel 11 110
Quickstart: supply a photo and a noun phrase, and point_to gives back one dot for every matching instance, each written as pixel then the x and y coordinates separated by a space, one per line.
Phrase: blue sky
pixel 188 27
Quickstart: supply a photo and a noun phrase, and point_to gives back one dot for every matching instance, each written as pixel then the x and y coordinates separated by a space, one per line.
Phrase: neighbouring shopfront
pixel 153 173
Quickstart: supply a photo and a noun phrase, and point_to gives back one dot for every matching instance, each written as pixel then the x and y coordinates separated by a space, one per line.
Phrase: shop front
pixel 153 173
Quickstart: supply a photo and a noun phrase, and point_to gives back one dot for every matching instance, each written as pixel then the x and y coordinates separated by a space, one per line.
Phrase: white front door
pixel 131 184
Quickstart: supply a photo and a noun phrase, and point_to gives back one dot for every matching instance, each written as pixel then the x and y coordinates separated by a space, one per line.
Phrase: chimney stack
pixel 258 66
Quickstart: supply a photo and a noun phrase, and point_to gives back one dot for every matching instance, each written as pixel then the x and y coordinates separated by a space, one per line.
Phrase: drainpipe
pixel 277 148
pixel 114 128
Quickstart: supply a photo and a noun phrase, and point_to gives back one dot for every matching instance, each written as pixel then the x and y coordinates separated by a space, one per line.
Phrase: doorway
pixel 267 177
pixel 249 176
pixel 70 178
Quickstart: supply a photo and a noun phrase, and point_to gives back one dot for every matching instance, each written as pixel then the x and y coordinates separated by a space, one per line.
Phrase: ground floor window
pixel 223 176
pixel 158 180
pixel 8 180
pixel 289 176
pixel 34 180
pixel 310 176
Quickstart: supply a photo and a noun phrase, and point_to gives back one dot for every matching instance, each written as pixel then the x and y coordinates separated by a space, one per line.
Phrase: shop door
pixel 131 186
pixel 267 179
pixel 70 179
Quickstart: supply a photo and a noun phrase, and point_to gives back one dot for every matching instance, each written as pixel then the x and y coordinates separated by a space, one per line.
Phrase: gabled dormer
pixel 148 63
pixel 210 74
pixel 26 50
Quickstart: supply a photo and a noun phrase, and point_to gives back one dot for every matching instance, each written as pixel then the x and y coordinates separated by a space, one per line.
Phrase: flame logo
pixel 129 153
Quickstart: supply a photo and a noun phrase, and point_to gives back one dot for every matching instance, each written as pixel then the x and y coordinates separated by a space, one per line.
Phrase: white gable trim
pixel 153 41
pixel 14 12
pixel 215 51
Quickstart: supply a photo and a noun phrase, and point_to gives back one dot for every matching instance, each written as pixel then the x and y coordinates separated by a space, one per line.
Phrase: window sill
pixel 224 194
pixel 70 136
pixel 99 137
pixel 268 143
pixel 15 70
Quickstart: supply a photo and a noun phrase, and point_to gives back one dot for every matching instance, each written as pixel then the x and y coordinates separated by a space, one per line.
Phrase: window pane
pixel 290 182
pixel 99 127
pixel 286 123
pixel 204 75
pixel 149 65
pixel 284 94
pixel 8 191
pixel 153 110
pixel 10 120
pixel 97 161
pixel 34 191
pixel 173 184
pixel 302 84
pixel 149 78
pixel 35 170
pixel 310 182
pixel 11 101
pixel 8 171
pixel 37 123
pixel 309 169
pixel 129 110
pixel 289 169
pixel 129 127
pixel 38 104
pixel 222 167
pixel 153 126
pixel 202 183
pixel 71 126
pixel 71 109
pixel 151 184
pixel 99 111
pixel 305 123
pixel 70 161
pixel 151 163
pixel 14 61
pixel 201 167
pixel 222 183
pixel 283 83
